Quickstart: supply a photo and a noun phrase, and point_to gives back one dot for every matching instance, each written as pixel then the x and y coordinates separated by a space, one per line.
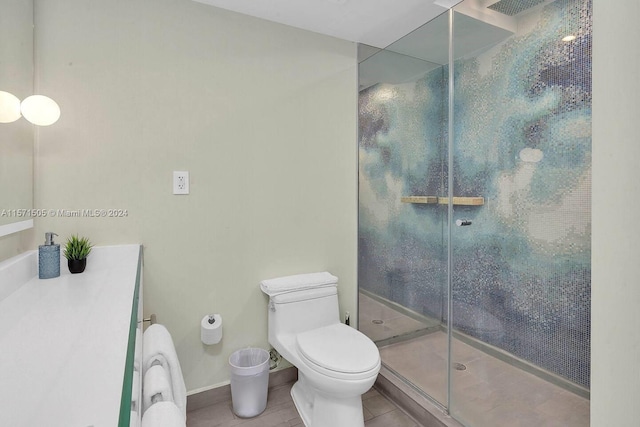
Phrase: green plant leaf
pixel 77 247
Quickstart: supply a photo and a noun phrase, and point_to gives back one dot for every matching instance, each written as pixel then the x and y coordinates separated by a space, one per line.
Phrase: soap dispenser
pixel 49 258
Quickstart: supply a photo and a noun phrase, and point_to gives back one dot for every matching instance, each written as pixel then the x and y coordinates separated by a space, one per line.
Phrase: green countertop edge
pixel 125 402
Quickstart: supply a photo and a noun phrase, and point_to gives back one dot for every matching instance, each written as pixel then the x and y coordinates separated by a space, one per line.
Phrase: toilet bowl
pixel 336 363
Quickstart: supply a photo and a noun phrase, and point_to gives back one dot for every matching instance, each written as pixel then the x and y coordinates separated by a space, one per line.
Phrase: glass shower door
pixel 402 217
pixel 520 233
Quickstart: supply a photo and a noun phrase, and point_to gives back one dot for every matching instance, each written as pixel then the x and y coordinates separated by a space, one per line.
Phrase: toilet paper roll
pixel 211 333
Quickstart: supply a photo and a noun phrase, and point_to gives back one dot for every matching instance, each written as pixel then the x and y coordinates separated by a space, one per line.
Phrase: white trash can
pixel 249 381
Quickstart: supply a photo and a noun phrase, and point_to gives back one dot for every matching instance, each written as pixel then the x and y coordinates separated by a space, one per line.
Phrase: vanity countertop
pixel 63 342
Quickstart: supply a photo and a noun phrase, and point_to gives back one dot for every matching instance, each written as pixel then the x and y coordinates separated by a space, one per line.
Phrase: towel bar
pixel 151 319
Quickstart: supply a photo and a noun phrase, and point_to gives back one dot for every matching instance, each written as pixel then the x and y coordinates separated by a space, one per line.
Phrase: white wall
pixel 263 116
pixel 615 355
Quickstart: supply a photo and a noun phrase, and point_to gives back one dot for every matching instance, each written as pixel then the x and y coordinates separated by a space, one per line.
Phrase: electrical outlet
pixel 180 182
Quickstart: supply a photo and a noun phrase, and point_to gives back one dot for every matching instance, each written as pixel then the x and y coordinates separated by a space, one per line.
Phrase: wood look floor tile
pixel 281 412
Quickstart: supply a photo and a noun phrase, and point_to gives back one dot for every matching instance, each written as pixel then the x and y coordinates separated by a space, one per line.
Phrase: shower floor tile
pixel 394 323
pixel 488 393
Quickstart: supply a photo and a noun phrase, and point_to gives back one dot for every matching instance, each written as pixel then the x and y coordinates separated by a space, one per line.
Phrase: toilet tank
pixel 299 311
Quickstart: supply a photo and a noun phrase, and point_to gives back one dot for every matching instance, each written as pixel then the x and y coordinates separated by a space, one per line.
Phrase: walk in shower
pixel 475 210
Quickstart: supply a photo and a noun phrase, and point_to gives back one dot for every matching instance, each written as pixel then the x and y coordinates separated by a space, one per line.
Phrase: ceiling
pixel 373 22
pixel 411 46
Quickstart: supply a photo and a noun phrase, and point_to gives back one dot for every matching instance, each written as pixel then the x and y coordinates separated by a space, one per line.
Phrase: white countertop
pixel 63 343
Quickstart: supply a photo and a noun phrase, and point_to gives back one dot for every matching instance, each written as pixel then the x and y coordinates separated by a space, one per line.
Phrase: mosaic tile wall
pixel 522 133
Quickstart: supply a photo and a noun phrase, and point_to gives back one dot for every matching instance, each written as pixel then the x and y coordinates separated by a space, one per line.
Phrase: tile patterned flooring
pixel 281 412
pixel 489 392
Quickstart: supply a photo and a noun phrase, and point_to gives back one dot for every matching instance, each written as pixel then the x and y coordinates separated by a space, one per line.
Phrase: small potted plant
pixel 75 251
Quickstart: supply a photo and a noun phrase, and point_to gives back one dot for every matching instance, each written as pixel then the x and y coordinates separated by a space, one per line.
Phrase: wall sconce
pixel 9 107
pixel 40 110
pixel 37 109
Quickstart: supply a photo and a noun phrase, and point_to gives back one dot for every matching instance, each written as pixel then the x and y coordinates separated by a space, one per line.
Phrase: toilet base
pixel 318 409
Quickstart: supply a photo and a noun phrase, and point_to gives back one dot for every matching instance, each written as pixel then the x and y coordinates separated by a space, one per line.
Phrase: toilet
pixel 336 363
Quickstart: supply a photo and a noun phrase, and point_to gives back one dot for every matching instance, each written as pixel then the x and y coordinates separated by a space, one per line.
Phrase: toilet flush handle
pixel 272 306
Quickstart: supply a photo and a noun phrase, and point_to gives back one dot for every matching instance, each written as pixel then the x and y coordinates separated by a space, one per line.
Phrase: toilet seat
pixel 339 351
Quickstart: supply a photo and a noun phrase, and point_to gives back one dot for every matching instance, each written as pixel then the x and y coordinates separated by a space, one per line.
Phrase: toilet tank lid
pixel 297 282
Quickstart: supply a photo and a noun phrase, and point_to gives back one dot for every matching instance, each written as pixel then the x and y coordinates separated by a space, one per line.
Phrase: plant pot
pixel 76 265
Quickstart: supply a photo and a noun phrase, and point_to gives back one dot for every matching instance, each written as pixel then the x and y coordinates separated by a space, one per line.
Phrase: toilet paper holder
pixel 211 329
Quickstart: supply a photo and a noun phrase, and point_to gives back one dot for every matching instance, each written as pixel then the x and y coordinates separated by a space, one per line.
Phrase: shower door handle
pixel 463 222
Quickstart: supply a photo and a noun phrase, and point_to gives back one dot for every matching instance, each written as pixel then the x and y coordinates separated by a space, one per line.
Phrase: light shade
pixel 9 107
pixel 40 110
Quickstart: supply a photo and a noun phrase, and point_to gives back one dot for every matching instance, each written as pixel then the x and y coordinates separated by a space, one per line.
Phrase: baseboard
pixel 223 393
